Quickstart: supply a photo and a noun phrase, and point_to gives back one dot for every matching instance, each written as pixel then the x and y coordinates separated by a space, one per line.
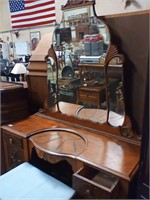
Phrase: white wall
pixel 4 16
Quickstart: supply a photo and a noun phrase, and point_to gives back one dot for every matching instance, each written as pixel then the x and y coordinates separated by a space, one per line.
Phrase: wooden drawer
pixel 15 158
pixel 13 149
pixel 10 139
pixel 89 96
pixel 92 183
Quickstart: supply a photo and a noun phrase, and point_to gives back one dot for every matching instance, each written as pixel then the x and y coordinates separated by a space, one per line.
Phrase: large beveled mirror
pixel 85 71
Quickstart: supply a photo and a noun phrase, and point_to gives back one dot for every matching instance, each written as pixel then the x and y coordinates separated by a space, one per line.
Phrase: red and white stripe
pixel 36 13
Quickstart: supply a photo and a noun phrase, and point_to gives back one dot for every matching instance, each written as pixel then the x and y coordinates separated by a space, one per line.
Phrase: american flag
pixel 30 13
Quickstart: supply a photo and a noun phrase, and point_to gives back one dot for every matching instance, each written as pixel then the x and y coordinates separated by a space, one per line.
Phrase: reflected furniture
pixel 91 95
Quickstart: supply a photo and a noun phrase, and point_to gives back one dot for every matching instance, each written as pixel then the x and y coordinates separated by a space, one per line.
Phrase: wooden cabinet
pixel 15 149
pixel 91 95
pixel 91 183
pixel 14 102
pixel 14 107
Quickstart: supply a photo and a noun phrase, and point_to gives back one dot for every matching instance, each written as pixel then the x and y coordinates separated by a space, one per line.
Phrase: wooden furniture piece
pixel 15 149
pixel 114 69
pixel 91 95
pixel 88 67
pixel 106 151
pixel 14 107
pixel 37 77
pixel 91 183
pixel 14 102
pixel 115 158
pixel 28 182
pixel 127 31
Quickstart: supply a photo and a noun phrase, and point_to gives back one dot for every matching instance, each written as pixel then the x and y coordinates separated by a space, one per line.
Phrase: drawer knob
pixel 10 141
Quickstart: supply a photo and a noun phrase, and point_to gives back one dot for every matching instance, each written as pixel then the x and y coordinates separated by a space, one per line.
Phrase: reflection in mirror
pixel 115 92
pixel 95 115
pixel 85 72
pixel 80 43
pixel 51 79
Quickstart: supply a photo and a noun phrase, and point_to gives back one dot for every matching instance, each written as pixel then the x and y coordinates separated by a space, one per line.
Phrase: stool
pixel 26 182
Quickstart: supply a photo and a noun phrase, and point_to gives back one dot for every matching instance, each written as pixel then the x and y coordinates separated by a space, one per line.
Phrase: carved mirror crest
pixel 85 71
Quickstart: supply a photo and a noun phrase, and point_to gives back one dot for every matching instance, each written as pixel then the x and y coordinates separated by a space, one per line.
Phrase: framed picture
pixel 35 38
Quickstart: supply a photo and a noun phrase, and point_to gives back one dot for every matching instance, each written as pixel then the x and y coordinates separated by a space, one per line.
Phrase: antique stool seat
pixel 28 182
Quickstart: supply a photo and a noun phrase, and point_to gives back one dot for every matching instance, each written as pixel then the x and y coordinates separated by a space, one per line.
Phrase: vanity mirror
pixel 85 72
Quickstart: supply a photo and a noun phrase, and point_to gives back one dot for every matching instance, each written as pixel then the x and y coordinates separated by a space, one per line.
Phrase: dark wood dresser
pixel 14 107
pixel 14 103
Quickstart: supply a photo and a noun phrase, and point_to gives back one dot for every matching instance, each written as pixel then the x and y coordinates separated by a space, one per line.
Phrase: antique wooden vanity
pixel 84 119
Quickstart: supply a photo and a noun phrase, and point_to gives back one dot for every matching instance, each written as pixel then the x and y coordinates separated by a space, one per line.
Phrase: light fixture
pixel 19 68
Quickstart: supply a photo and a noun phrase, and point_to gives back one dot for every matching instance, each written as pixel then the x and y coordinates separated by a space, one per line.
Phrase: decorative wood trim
pixel 126 129
pixel 112 53
pixel 77 3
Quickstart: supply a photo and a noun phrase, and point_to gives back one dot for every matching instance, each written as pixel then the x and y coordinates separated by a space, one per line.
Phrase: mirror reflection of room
pixel 115 92
pixel 81 42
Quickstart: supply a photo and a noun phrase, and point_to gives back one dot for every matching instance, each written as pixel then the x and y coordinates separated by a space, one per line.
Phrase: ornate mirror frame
pixel 53 108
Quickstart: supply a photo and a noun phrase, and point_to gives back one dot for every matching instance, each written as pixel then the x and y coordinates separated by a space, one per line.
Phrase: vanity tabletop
pixel 58 138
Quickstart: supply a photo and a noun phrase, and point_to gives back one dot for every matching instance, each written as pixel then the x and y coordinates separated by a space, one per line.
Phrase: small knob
pixel 10 141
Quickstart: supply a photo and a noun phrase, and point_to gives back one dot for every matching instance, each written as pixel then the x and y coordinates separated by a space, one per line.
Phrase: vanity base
pixel 104 156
